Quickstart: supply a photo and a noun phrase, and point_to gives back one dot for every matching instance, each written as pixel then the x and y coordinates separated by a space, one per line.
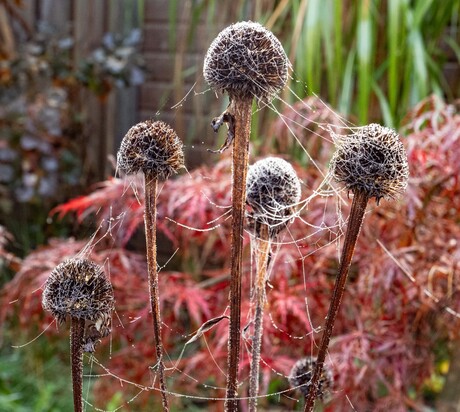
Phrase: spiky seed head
pixel 371 160
pixel 151 147
pixel 80 289
pixel 272 191
pixel 302 374
pixel 246 60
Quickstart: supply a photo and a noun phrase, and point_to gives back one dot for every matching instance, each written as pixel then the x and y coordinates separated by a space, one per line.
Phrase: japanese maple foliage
pixel 394 310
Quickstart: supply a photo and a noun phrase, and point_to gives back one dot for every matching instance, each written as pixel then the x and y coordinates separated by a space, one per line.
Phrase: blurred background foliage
pixel 370 60
pixel 43 149
pixel 45 82
pixel 395 341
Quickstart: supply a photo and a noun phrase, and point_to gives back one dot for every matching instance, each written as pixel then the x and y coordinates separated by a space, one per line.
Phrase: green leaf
pixel 346 96
pixel 364 52
pixel 394 40
pixel 328 37
pixel 384 105
pixel 421 8
pixel 312 41
pixel 419 63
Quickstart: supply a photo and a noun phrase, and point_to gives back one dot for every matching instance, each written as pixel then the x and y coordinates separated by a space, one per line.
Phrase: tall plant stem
pixel 355 220
pixel 241 111
pixel 150 219
pixel 262 246
pixel 77 328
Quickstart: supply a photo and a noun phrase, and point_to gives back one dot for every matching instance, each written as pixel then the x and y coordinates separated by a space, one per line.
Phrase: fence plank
pixel 56 13
pixel 124 16
pixel 89 22
pixel 175 71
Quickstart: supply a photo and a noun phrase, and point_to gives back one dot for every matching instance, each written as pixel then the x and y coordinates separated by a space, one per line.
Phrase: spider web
pixel 319 224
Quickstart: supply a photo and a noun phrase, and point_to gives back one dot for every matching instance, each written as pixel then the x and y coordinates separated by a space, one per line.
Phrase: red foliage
pixel 388 325
pixel 7 259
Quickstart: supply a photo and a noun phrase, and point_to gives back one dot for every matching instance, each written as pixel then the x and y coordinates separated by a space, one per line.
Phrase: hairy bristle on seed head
pixel 151 147
pixel 302 373
pixel 272 191
pixel 80 289
pixel 246 60
pixel 371 160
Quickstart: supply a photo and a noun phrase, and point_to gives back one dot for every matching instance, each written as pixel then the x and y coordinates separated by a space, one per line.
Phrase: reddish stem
pixel 355 220
pixel 242 111
pixel 150 219
pixel 77 329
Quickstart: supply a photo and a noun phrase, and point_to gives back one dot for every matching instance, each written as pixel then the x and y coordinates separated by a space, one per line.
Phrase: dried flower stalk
pixel 262 245
pixel 154 149
pixel 273 191
pixel 371 162
pixel 246 61
pixel 240 158
pixel 78 288
pixel 77 330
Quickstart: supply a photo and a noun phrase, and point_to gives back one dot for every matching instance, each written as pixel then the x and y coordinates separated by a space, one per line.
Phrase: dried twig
pixel 273 193
pixel 154 149
pixel 246 61
pixel 78 288
pixel 371 162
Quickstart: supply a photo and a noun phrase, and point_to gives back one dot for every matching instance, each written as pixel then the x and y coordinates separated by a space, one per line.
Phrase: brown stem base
pixel 150 218
pixel 242 112
pixel 77 329
pixel 262 246
pixel 355 220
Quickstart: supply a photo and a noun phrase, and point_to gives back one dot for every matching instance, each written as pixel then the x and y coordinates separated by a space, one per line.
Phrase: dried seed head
pixel 246 60
pixel 273 191
pixel 371 160
pixel 94 331
pixel 80 289
pixel 302 374
pixel 151 147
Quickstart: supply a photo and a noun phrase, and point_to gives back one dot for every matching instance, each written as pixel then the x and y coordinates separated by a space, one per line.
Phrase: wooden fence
pixel 174 51
pixel 173 47
pixel 174 90
pixel 87 21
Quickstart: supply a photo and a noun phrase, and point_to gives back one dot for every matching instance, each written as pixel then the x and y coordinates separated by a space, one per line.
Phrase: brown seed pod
pixel 246 60
pixel 151 147
pixel 273 191
pixel 79 288
pixel 371 160
pixel 302 373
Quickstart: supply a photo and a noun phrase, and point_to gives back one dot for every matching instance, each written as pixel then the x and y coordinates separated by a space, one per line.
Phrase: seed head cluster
pixel 272 191
pixel 151 147
pixel 80 289
pixel 371 160
pixel 302 374
pixel 246 60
